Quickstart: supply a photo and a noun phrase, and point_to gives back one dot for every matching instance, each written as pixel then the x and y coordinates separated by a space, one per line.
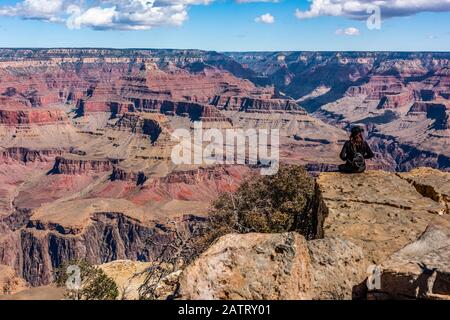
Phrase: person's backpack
pixel 358 162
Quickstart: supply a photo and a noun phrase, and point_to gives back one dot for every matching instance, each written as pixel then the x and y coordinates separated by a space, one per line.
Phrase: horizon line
pixel 223 51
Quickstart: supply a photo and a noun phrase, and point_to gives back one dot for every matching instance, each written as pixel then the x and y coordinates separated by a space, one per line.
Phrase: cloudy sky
pixel 234 25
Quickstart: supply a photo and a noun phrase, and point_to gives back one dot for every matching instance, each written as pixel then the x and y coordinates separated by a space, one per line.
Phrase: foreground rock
pixel 432 184
pixel 274 266
pixel 49 292
pixel 337 266
pixel 379 211
pixel 131 277
pixel 128 276
pixel 359 221
pixel 250 266
pixel 419 270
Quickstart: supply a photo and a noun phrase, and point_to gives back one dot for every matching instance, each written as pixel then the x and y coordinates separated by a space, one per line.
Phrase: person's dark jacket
pixel 348 151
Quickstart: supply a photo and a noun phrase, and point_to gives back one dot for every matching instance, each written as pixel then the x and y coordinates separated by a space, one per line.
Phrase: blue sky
pixel 222 25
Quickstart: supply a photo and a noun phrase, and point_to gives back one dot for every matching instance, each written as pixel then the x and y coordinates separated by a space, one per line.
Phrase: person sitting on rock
pixel 355 152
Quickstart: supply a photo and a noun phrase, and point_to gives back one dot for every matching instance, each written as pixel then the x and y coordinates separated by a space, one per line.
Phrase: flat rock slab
pixel 379 211
pixel 128 276
pixel 431 183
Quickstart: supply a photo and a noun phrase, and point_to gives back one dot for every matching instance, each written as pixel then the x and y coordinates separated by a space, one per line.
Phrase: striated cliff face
pixel 43 246
pixel 95 87
pixel 78 212
pixel 436 111
pixel 194 111
pixel 30 116
pixel 80 166
pixel 25 155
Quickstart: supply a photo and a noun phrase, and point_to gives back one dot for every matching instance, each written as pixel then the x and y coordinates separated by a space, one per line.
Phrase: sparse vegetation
pixel 268 204
pixel 94 283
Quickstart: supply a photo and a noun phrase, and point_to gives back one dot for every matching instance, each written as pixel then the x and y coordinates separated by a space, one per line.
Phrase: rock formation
pixel 377 219
pixel 128 276
pixel 274 267
pixel 253 267
pixel 336 266
pixel 381 212
pixel 420 270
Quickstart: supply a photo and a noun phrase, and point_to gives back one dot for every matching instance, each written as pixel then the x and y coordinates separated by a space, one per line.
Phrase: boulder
pixel 167 286
pixel 250 267
pixel 419 270
pixel 337 267
pixel 274 266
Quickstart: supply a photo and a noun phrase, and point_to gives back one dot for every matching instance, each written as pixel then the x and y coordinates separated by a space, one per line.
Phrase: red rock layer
pixel 195 111
pixel 69 166
pixel 13 102
pixel 202 184
pixel 103 97
pixel 31 116
pixel 256 104
pixel 377 87
pixel 26 155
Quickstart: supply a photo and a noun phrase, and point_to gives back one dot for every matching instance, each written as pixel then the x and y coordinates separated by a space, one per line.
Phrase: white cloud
pixel 265 18
pixel 34 9
pixel 105 14
pixel 351 31
pixel 361 9
pixel 254 1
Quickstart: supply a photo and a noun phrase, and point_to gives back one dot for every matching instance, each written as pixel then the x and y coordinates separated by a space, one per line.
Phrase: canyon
pixel 86 142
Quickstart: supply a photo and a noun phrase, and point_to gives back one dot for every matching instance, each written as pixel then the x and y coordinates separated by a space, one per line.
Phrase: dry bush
pixel 266 204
